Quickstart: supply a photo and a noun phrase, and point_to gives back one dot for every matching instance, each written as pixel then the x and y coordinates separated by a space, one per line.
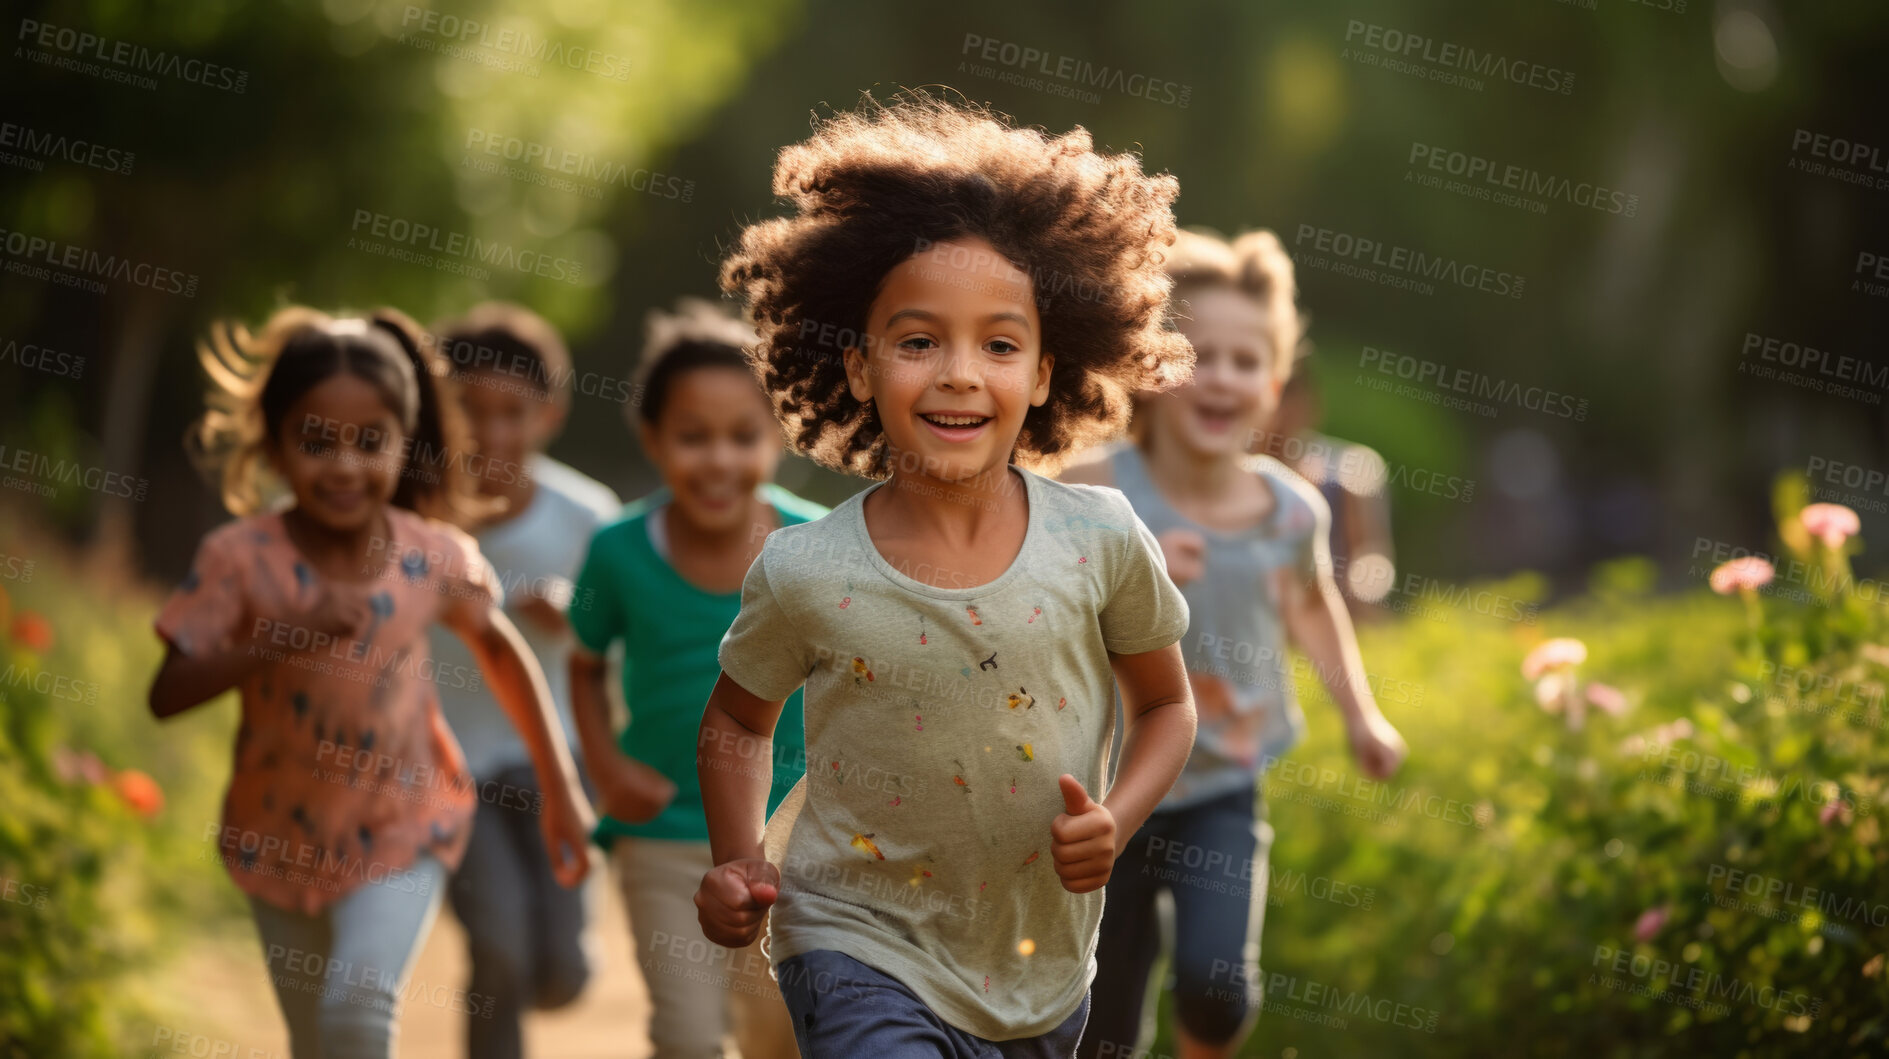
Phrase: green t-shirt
pixel 671 631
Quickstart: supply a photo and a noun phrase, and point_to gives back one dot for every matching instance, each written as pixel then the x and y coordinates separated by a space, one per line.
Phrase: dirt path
pixel 226 1007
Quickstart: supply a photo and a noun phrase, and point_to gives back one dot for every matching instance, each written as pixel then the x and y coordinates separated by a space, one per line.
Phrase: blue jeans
pixel 339 973
pixel 846 1010
pixel 1213 857
pixel 529 937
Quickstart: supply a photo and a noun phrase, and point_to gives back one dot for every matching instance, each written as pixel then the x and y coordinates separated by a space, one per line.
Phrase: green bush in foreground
pixel 102 866
pixel 1684 859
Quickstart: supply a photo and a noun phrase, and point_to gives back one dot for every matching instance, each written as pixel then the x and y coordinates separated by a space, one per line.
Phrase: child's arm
pixel 188 679
pixel 1319 625
pixel 1158 712
pixel 735 758
pixel 519 686
pixel 626 788
pixel 184 681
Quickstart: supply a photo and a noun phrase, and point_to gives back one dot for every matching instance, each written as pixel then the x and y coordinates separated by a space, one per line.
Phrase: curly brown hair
pixel 876 185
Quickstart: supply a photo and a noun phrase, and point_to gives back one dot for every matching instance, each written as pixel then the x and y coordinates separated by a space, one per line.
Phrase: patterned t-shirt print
pixel 947 768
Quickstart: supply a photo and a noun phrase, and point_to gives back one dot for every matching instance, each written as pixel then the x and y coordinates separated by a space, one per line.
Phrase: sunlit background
pixel 1591 400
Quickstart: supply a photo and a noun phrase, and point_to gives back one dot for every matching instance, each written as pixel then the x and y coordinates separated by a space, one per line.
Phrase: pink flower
pixel 1649 923
pixel 1562 652
pixel 76 765
pixel 1607 698
pixel 1832 523
pixel 1833 811
pixel 1658 739
pixel 1750 572
pixel 1550 691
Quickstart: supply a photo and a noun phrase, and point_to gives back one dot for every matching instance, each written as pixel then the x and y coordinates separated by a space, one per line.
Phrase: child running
pixel 1354 481
pixel 528 937
pixel 1246 540
pixel 350 802
pixel 954 298
pixel 664 580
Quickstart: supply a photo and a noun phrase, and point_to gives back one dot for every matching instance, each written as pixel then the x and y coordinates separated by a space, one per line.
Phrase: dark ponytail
pixel 256 379
pixel 433 480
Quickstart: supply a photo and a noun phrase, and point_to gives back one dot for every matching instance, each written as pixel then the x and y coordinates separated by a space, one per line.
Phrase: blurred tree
pixel 329 139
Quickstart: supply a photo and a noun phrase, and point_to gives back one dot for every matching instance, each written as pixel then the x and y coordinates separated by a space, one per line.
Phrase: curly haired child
pixel 954 305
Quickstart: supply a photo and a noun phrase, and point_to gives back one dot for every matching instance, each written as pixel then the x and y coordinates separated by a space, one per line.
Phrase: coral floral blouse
pixel 345 771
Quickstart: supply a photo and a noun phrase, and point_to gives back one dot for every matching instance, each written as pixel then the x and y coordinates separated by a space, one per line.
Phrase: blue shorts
pixel 1213 857
pixel 845 1009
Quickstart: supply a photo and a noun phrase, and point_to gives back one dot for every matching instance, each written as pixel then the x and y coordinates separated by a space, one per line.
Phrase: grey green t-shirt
pixel 937 723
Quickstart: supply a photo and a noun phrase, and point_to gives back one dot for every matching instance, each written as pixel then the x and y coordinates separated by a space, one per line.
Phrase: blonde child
pixel 1246 539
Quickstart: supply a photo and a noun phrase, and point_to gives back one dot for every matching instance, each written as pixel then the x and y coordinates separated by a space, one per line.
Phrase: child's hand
pixel 1186 554
pixel 632 791
pixel 734 898
pixel 340 611
pixel 566 823
pixel 546 609
pixel 1082 839
pixel 1376 745
pixel 542 613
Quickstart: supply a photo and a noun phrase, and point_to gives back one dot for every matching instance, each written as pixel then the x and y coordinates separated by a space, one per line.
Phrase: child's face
pixel 340 448
pixel 714 443
pixel 509 420
pixel 1234 391
pixel 954 360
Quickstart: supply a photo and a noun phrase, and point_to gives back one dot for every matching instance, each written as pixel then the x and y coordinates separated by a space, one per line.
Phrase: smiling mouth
pixel 343 497
pixel 937 419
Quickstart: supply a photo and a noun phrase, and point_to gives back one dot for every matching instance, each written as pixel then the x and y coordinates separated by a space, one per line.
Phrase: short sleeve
pixel 596 611
pixel 1144 611
pixel 1312 551
pixel 763 651
pixel 207 607
pixel 467 581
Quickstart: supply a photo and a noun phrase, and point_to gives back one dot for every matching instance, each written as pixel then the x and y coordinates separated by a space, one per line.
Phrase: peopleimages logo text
pixel 1416 47
pixel 1523 180
pixel 129 56
pixel 1401 259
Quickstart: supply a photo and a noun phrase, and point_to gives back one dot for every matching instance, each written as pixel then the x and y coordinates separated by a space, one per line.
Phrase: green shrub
pixel 102 864
pixel 1523 888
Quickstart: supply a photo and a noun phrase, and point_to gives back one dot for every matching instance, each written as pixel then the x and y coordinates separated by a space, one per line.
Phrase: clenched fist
pixel 733 900
pixel 1186 554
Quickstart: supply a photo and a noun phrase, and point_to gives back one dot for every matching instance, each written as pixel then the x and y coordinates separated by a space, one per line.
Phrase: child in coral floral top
pixel 350 801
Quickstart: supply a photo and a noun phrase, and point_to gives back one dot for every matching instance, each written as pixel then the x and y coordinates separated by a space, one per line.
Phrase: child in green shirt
pixel 665 580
